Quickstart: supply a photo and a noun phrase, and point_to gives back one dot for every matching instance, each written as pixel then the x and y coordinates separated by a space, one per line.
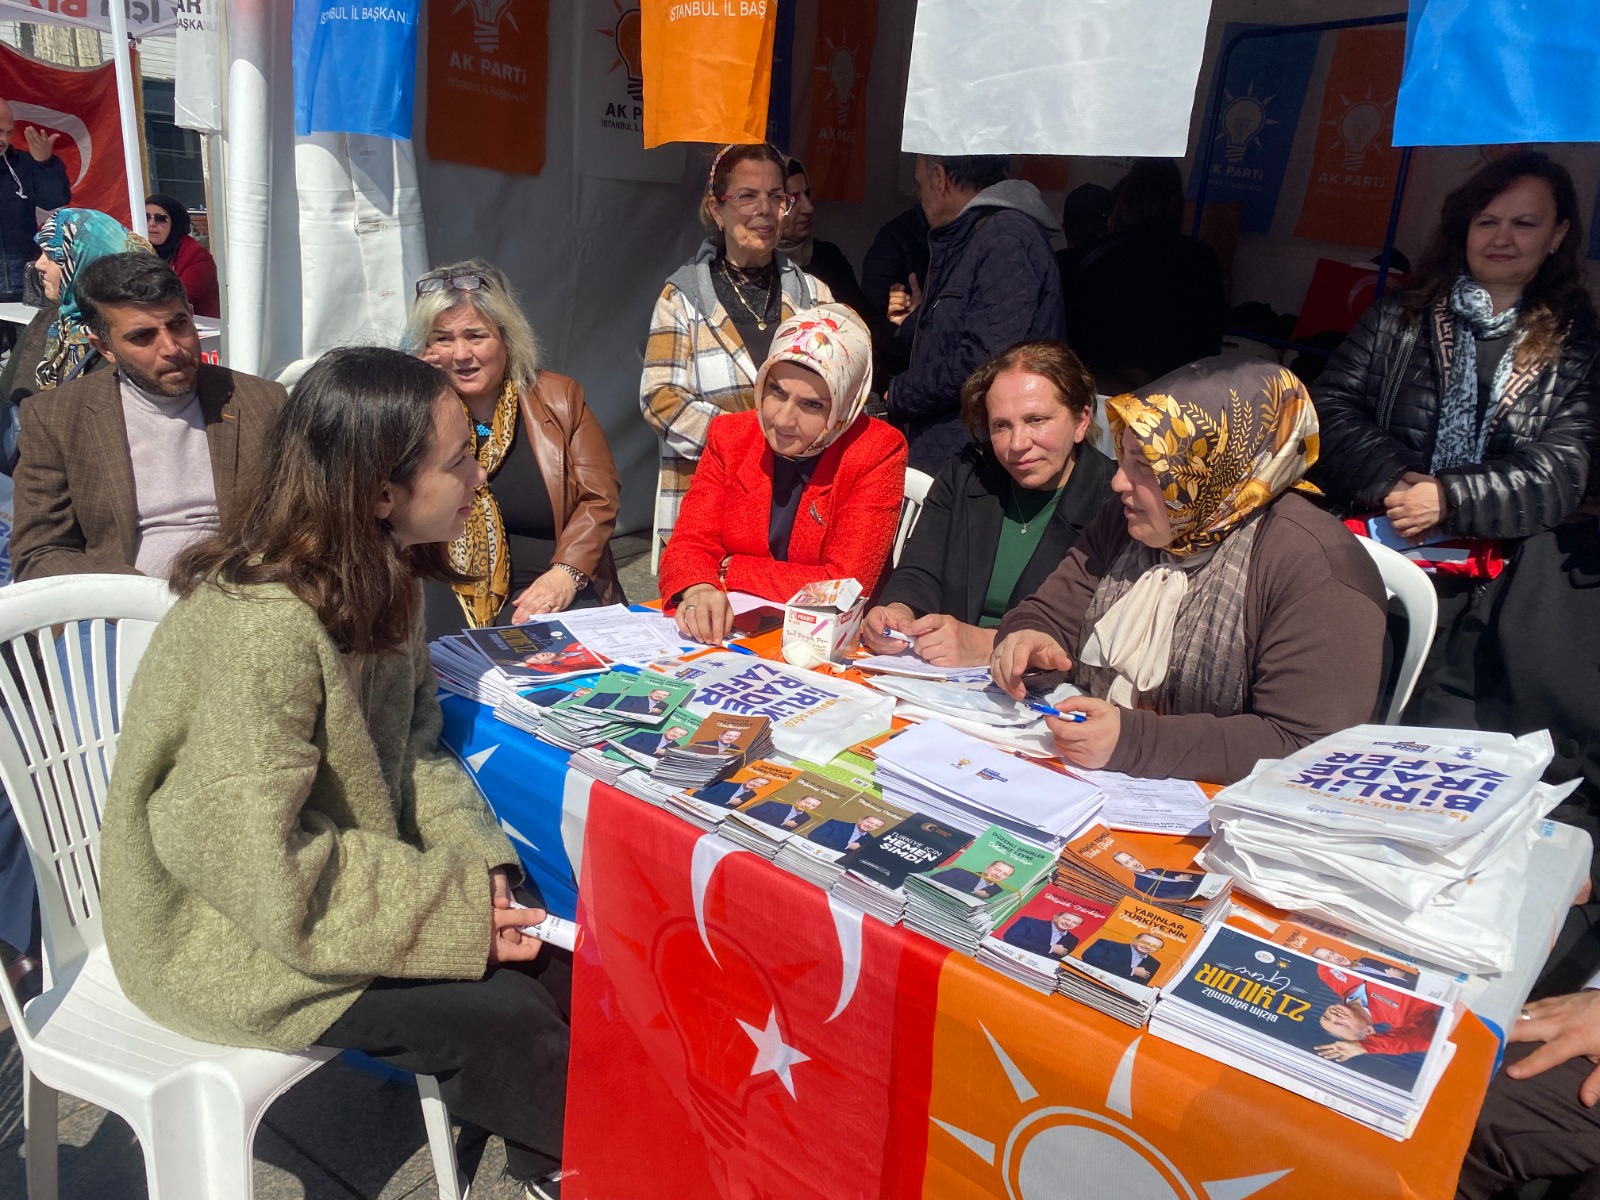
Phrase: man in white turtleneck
pixel 119 471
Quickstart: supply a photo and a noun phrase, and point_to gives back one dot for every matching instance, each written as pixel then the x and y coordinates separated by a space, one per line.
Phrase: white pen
pixel 900 637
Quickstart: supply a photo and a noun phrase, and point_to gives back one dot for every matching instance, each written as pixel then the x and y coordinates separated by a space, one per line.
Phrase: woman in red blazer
pixel 804 488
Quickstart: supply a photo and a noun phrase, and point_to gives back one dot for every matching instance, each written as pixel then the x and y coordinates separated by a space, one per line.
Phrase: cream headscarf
pixel 830 340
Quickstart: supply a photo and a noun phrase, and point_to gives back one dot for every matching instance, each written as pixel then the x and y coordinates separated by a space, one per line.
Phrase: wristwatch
pixel 579 579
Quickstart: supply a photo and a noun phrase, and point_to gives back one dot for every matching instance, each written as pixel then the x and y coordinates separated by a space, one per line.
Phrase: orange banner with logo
pixel 707 69
pixel 1355 166
pixel 488 66
pixel 836 146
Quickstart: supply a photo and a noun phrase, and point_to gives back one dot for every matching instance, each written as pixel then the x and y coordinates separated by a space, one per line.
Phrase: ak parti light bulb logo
pixel 486 18
pixel 630 50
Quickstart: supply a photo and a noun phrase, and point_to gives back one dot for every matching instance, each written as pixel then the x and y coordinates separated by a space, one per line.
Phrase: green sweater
pixel 271 842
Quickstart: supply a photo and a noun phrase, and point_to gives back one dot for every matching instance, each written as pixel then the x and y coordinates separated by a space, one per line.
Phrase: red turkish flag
pixel 782 1049
pixel 79 104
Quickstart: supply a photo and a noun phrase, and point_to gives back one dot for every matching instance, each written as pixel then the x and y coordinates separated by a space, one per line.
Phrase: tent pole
pixel 127 110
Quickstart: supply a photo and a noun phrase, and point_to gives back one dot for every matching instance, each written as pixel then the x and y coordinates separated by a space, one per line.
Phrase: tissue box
pixel 821 622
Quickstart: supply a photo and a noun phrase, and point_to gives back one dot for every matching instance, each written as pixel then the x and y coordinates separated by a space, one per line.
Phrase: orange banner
pixel 707 69
pixel 1354 170
pixel 836 146
pixel 488 65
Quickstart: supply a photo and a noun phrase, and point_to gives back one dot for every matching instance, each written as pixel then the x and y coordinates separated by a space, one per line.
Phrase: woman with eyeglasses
pixel 538 538
pixel 168 222
pixel 714 322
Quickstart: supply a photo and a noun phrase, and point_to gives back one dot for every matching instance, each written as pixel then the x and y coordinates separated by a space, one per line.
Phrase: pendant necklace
pixel 738 294
pixel 1024 524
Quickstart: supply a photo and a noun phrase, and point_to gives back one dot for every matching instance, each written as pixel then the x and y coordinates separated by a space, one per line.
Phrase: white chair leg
pixel 40 1109
pixel 198 1147
pixel 452 1184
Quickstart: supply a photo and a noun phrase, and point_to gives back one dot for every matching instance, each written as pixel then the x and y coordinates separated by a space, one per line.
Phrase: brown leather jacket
pixel 576 463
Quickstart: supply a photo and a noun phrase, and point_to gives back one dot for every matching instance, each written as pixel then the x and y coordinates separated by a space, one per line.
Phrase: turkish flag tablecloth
pixel 738 1034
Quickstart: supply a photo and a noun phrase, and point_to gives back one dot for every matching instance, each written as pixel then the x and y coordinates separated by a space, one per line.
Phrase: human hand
pixel 903 302
pixel 1341 1051
pixel 1569 1027
pixel 1585 892
pixel 704 614
pixel 40 146
pixel 500 888
pixel 942 640
pixel 1023 651
pixel 552 592
pixel 507 942
pixel 1416 505
pixel 1059 949
pixel 1088 743
pixel 1142 972
pixel 874 629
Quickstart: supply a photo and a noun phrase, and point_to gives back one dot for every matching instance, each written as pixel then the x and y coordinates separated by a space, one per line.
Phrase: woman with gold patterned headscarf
pixel 538 538
pixel 1210 614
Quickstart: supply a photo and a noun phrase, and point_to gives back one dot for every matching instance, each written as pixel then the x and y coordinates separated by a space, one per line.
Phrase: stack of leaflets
pixel 1368 1049
pixel 492 665
pixel 620 705
pixel 709 806
pixel 935 769
pixel 525 710
pixel 874 879
pixel 764 823
pixel 1120 968
pixel 959 901
pixel 1416 838
pixel 721 745
pixel 1108 866
pixel 837 835
pixel 1033 944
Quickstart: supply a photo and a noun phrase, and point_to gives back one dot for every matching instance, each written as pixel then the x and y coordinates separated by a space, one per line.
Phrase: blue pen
pixel 1050 710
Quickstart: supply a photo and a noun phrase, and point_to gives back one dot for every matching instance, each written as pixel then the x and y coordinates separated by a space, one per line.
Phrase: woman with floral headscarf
pixel 1211 616
pixel 54 348
pixel 804 488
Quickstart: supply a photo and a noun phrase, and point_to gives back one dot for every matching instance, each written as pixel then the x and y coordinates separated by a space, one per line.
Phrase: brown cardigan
pixel 75 506
pixel 1313 633
pixel 576 463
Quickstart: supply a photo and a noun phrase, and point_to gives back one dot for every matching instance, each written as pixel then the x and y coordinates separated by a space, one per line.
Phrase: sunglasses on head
pixel 458 283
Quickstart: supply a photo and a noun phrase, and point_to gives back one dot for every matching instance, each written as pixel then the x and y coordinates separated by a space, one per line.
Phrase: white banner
pixel 610 111
pixel 1048 77
pixel 197 69
pixel 144 16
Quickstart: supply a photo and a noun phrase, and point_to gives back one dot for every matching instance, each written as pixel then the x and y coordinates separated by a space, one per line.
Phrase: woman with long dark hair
pixel 1464 407
pixel 289 857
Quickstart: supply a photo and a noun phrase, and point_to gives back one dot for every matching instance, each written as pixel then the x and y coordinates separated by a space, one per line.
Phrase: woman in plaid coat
pixel 715 319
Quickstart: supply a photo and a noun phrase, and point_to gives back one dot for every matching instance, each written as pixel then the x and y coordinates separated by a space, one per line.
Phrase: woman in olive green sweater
pixel 289 857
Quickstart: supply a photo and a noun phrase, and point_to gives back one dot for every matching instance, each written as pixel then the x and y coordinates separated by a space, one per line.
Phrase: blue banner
pixel 780 97
pixel 1489 72
pixel 355 65
pixel 1260 109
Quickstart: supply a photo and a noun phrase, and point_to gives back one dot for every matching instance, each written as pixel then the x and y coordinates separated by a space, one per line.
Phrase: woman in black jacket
pixel 1001 514
pixel 1464 407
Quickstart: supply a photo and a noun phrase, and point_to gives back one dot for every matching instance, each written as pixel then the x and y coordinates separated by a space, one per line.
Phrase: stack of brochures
pixel 837 837
pixel 1032 945
pixel 934 769
pixel 493 665
pixel 959 901
pixel 875 878
pixel 709 806
pixel 1368 1049
pixel 1120 967
pixel 721 745
pixel 765 822
pixel 1417 838
pixel 1108 866
pixel 636 712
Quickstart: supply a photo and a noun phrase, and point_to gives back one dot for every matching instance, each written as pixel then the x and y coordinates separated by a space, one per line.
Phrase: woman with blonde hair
pixel 538 538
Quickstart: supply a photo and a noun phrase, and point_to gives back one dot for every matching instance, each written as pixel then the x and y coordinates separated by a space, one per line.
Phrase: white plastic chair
pixel 917 485
pixel 1409 584
pixel 194 1106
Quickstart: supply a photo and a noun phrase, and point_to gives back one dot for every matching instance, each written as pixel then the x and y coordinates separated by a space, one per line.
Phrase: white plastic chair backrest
pixel 58 741
pixel 1100 428
pixel 1410 585
pixel 917 485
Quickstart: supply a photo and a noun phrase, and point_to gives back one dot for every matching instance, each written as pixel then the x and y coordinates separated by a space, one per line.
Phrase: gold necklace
pixel 760 317
pixel 1018 503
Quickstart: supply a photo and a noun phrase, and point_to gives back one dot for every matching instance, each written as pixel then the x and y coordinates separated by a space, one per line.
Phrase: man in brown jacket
pixel 119 471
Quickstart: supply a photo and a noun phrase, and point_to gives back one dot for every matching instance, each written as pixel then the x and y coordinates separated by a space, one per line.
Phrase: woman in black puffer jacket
pixel 1465 407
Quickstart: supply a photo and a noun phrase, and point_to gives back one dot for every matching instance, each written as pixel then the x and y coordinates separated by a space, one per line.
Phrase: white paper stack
pixel 1369 1050
pixel 1417 838
pixel 935 769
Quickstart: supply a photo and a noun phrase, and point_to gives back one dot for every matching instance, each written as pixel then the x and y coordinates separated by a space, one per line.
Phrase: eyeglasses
pixel 748 202
pixel 157 218
pixel 458 283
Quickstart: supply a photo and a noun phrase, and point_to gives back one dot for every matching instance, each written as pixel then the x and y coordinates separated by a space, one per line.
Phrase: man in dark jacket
pixel 898 254
pixel 33 179
pixel 992 282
